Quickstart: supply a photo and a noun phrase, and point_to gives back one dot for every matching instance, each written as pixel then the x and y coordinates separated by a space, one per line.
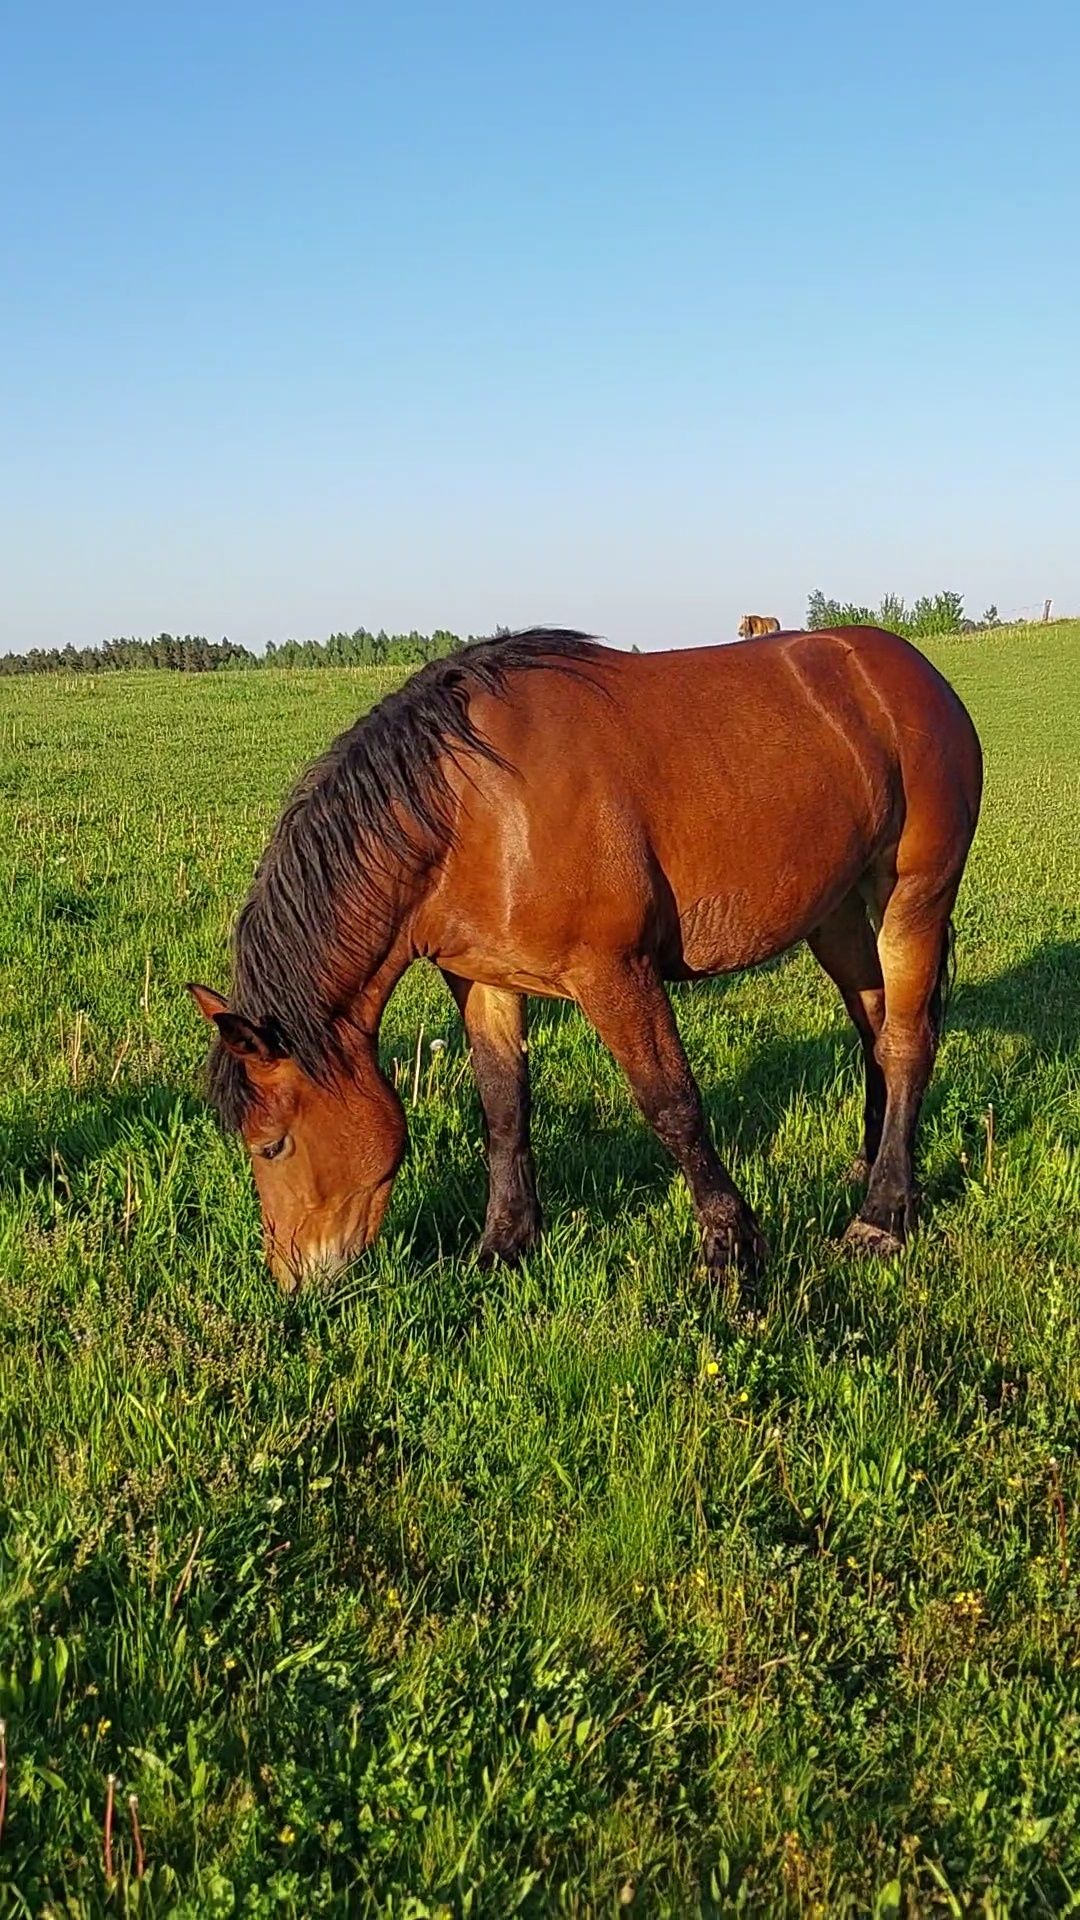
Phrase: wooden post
pixel 1047 604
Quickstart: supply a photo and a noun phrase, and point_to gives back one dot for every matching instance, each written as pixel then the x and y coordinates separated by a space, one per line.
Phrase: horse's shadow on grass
pixel 1038 1000
pixel 69 1133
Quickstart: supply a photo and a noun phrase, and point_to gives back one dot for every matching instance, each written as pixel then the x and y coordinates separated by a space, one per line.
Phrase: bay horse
pixel 540 814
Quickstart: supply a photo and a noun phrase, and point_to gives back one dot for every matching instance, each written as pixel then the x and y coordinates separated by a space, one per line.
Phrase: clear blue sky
pixel 629 317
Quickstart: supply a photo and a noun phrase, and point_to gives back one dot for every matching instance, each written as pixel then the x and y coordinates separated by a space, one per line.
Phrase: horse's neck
pixel 379 976
pixel 373 995
pixel 373 950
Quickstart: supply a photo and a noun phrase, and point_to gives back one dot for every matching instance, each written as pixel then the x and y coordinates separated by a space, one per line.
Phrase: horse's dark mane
pixel 379 797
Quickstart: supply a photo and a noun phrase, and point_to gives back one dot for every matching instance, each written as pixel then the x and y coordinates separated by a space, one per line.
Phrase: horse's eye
pixel 271 1152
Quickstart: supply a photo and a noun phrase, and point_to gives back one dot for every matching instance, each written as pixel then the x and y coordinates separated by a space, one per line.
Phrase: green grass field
pixel 447 1592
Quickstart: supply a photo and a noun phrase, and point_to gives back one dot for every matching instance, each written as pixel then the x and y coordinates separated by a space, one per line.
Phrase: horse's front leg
pixel 495 1024
pixel 627 1004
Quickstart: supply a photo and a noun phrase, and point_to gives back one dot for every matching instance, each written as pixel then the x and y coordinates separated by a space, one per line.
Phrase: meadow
pixel 560 1591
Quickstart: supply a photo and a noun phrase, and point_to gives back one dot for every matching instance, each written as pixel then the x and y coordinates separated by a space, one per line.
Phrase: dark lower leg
pixel 890 1205
pixel 912 945
pixel 632 1015
pixel 873 1111
pixel 846 947
pixel 495 1024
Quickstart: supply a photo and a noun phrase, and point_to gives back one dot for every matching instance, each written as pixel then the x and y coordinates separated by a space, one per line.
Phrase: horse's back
pixel 718 801
pixel 849 708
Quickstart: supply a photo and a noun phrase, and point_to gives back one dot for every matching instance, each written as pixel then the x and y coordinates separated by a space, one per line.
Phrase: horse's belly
pixel 736 919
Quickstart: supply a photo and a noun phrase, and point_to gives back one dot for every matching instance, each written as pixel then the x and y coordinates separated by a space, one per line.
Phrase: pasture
pixel 557 1591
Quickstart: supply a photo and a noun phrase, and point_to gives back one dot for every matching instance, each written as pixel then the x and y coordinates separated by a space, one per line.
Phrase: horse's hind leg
pixel 496 1027
pixel 846 947
pixel 913 949
pixel 627 1004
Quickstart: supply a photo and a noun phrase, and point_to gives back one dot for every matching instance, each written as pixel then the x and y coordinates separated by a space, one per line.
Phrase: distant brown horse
pixel 753 626
pixel 539 814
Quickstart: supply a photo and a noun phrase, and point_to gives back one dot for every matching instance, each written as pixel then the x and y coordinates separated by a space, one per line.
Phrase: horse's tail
pixel 945 982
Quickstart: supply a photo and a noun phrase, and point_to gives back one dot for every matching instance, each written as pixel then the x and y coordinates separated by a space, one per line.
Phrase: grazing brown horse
pixel 753 626
pixel 540 814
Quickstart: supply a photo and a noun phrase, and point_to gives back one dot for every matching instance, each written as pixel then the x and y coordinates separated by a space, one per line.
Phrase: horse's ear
pixel 209 1003
pixel 241 1036
pixel 245 1039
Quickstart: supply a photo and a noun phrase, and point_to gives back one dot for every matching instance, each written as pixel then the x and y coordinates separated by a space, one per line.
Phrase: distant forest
pixel 191 653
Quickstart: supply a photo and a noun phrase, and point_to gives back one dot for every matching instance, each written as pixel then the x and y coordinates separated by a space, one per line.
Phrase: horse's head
pixel 324 1157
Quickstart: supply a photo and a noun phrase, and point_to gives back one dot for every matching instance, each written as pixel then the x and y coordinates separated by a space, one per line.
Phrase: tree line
pixel 193 653
pixel 931 614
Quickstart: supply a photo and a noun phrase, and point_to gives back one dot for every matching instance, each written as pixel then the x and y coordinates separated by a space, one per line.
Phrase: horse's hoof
pixel 506 1250
pixel 864 1239
pixel 734 1264
pixel 740 1256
